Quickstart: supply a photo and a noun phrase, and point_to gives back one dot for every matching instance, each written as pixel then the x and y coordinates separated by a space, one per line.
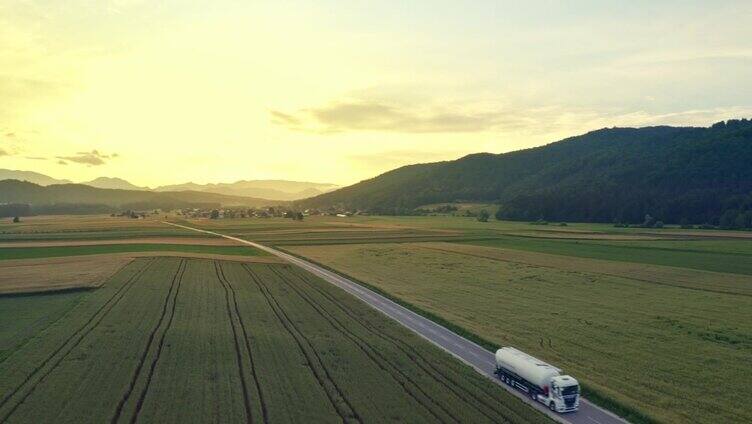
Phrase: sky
pixel 169 91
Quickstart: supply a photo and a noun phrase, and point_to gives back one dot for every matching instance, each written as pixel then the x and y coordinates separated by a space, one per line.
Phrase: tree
pixel 743 220
pixel 728 219
pixel 483 216
pixel 214 214
pixel 649 221
pixel 298 216
pixel 16 219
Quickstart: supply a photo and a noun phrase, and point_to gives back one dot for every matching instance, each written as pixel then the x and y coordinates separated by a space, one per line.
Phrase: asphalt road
pixel 463 349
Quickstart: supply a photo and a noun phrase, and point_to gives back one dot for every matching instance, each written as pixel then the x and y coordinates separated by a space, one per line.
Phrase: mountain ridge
pixel 81 198
pixel 693 174
pixel 275 189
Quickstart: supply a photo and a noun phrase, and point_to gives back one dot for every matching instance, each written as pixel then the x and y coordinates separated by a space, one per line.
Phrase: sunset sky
pixel 161 92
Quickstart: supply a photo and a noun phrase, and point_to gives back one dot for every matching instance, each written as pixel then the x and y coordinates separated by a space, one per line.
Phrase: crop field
pixel 194 340
pixel 87 227
pixel 663 341
pixel 58 251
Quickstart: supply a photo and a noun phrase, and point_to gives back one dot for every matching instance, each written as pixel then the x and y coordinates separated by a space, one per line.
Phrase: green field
pixel 192 340
pixel 711 255
pixel 88 227
pixel 22 317
pixel 642 342
pixel 57 251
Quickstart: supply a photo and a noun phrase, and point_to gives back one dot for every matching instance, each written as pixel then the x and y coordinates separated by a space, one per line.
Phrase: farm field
pixel 87 227
pixel 235 341
pixel 99 249
pixel 649 339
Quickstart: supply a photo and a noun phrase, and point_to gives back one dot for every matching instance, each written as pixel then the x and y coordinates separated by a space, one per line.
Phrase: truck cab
pixel 563 394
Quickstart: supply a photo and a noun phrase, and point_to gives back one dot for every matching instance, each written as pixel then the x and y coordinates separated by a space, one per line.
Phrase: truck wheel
pixel 552 407
pixel 533 395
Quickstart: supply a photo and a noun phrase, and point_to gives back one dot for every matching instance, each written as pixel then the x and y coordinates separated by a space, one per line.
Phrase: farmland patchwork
pixel 233 342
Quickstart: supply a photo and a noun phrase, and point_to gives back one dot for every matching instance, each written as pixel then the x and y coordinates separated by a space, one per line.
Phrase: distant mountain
pixel 281 190
pixel 266 189
pixel 113 183
pixel 30 176
pixel 696 175
pixel 79 198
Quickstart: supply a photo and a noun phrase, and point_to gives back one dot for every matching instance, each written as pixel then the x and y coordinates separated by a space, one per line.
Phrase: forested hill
pixel 621 174
pixel 79 198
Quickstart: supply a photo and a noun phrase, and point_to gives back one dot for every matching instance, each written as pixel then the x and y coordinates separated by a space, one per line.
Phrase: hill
pixel 79 198
pixel 30 176
pixel 267 189
pixel 113 183
pixel 676 174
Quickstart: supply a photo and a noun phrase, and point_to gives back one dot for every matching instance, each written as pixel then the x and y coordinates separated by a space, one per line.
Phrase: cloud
pixel 36 158
pixel 92 158
pixel 10 134
pixel 369 115
pixel 4 152
pixel 62 162
pixel 284 119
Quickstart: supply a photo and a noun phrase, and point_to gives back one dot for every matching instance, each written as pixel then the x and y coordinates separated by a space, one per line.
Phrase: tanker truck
pixel 543 382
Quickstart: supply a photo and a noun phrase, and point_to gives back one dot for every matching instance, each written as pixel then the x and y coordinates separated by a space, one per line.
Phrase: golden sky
pixel 161 92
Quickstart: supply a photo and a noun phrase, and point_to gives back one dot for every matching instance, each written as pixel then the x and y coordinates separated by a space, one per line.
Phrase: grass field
pixel 711 255
pixel 23 317
pixel 87 227
pixel 191 340
pixel 647 318
pixel 669 352
pixel 58 251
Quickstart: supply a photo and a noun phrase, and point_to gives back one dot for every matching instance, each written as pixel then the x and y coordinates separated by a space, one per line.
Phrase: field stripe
pixel 160 345
pixel 230 292
pixel 446 380
pixel 384 364
pixel 119 409
pixel 336 396
pixel 677 285
pixel 81 333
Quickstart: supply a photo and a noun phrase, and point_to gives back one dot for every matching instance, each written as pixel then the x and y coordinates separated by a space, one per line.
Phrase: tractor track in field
pixel 238 355
pixel 415 356
pixel 346 414
pixel 160 345
pixel 372 353
pixel 81 333
pixel 132 384
pixel 230 291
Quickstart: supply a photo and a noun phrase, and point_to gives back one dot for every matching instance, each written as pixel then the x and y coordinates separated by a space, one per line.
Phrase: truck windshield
pixel 570 390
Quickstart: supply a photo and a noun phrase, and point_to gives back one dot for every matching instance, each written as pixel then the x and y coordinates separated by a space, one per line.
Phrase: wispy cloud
pixel 92 158
pixel 36 158
pixel 470 117
pixel 62 162
pixel 371 115
pixel 4 152
pixel 284 119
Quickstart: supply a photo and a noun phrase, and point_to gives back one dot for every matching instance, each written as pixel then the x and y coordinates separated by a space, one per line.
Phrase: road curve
pixel 463 349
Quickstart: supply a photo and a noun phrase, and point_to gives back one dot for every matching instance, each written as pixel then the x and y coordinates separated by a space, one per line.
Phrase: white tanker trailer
pixel 543 382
